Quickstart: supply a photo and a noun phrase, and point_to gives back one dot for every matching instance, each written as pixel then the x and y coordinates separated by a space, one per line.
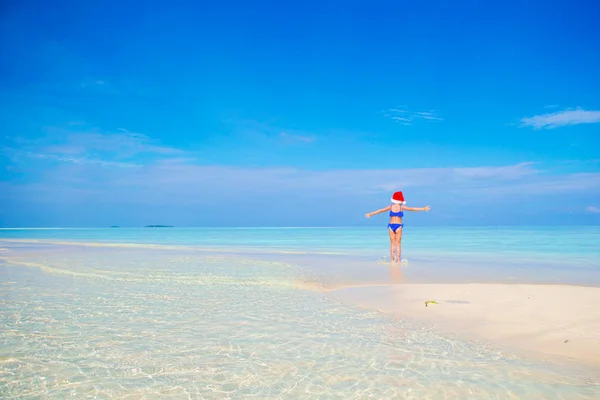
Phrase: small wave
pixel 170 247
pixel 166 278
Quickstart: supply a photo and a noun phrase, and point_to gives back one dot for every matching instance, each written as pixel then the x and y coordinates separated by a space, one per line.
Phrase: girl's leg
pixel 398 244
pixel 392 243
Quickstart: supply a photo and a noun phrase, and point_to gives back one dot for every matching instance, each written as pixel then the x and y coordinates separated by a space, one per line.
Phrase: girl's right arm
pixel 369 215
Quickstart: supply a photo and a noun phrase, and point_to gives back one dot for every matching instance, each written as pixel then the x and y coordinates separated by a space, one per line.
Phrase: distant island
pixel 158 226
pixel 115 226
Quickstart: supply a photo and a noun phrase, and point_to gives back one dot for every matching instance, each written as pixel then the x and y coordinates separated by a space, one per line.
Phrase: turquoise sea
pixel 160 313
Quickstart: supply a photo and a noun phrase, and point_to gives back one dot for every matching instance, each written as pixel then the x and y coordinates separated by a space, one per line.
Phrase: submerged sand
pixel 542 320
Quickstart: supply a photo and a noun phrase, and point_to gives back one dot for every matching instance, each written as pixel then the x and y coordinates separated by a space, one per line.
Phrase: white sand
pixel 536 319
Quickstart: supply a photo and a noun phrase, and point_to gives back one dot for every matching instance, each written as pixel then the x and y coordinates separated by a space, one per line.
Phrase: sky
pixel 231 113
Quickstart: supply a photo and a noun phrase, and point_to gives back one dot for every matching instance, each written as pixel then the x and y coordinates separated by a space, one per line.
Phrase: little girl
pixel 395 226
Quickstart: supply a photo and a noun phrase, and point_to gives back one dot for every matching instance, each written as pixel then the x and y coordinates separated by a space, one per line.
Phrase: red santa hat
pixel 398 198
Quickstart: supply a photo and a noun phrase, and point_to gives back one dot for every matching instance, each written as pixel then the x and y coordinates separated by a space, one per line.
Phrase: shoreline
pixel 554 322
pixel 333 270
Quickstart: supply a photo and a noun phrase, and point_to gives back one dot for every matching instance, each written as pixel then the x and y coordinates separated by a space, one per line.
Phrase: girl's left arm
pixel 426 208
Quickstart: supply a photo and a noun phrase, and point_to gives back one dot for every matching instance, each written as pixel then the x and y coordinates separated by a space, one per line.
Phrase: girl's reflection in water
pixel 395 273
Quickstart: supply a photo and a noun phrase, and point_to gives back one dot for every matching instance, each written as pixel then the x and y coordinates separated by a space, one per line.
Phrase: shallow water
pixel 573 245
pixel 567 255
pixel 114 322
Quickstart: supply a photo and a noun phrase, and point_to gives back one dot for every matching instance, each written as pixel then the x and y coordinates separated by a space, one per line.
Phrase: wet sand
pixel 545 321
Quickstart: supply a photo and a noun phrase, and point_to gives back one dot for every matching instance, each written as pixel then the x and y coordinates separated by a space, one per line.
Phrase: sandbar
pixel 548 321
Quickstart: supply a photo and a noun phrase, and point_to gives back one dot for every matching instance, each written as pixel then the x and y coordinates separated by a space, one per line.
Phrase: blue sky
pixel 225 113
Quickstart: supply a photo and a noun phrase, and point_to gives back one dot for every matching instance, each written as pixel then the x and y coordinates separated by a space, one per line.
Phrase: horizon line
pixel 278 227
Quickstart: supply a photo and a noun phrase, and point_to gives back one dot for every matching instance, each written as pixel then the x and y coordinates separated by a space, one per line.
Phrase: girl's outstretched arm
pixel 426 208
pixel 369 215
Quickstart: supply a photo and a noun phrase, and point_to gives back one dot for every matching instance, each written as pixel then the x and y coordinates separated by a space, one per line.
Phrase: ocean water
pixel 550 243
pixel 234 313
pixel 448 254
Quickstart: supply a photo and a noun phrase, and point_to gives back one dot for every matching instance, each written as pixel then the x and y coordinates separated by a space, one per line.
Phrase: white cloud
pixel 181 182
pixel 78 145
pixel 268 132
pixel 92 83
pixel 127 168
pixel 81 160
pixel 561 118
pixel 122 142
pixel 406 117
pixel 593 209
pixel 296 138
pixel 428 115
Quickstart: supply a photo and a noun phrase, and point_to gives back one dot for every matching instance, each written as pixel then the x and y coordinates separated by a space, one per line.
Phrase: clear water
pixel 191 319
pixel 568 255
pixel 566 243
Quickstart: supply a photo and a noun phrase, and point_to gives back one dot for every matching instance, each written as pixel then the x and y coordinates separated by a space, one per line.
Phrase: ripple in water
pixel 159 324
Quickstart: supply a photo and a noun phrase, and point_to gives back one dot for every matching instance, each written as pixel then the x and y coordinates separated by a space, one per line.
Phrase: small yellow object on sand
pixel 430 301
